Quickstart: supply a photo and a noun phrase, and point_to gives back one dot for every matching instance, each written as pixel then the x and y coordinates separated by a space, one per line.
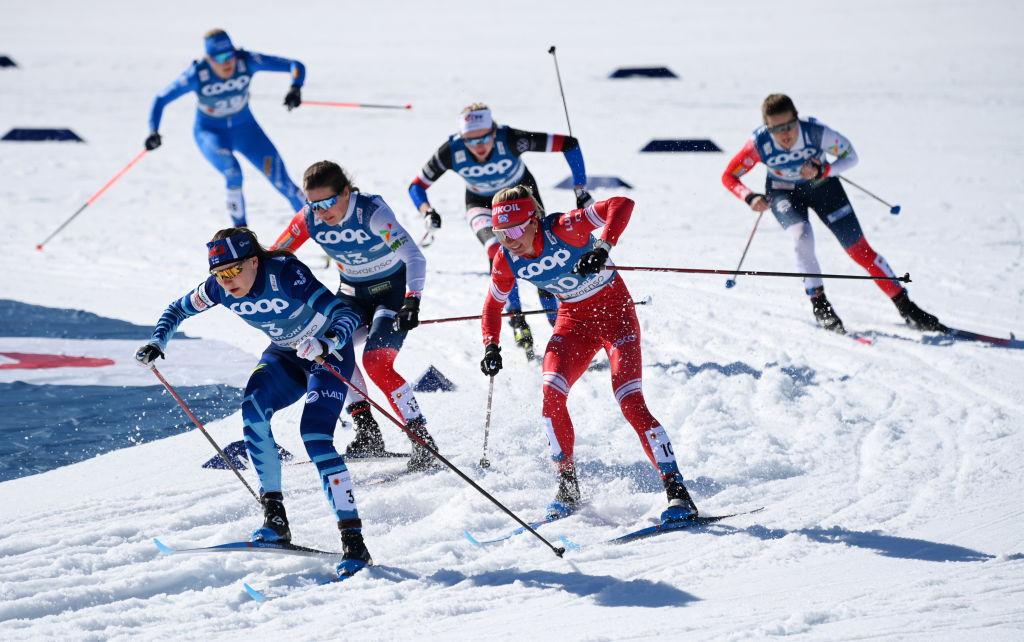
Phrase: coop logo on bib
pixel 556 260
pixel 262 306
pixel 231 84
pixel 331 237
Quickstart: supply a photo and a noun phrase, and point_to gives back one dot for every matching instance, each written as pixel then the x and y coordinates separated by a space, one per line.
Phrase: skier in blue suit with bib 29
pixel 224 124
pixel 277 294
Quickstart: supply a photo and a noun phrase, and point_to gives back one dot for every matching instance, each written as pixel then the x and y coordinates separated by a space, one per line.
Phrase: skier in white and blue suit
pixel 277 294
pixel 224 124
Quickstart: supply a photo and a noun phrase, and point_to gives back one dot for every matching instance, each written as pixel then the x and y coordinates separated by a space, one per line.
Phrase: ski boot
pixel 824 313
pixel 275 521
pixel 421 459
pixel 523 334
pixel 567 499
pixel 356 557
pixel 914 316
pixel 680 507
pixel 368 441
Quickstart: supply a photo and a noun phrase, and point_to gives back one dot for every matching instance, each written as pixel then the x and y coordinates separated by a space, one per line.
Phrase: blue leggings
pixel 280 379
pixel 218 145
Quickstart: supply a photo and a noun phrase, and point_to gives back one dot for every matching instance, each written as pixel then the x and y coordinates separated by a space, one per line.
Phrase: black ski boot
pixel 275 521
pixel 824 313
pixel 567 499
pixel 523 334
pixel 368 441
pixel 356 557
pixel 914 316
pixel 421 459
pixel 680 507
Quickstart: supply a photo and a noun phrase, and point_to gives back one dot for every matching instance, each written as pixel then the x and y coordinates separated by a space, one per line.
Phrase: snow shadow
pixel 605 590
pixel 643 477
pixel 801 375
pixel 886 545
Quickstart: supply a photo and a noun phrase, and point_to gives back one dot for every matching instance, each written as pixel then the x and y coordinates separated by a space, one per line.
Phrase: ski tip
pixel 254 594
pixel 472 540
pixel 164 548
pixel 569 544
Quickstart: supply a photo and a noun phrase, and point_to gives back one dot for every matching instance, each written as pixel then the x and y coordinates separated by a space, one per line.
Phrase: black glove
pixel 293 98
pixel 749 198
pixel 409 316
pixel 152 141
pixel 491 363
pixel 583 198
pixel 148 353
pixel 592 262
pixel 433 218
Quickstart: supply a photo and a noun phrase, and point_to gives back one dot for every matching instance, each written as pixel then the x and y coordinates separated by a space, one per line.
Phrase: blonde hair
pixel 474 107
pixel 515 193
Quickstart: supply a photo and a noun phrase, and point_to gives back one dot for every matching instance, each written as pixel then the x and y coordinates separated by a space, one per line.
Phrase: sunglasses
pixel 222 58
pixel 784 127
pixel 322 205
pixel 228 273
pixel 512 233
pixel 481 140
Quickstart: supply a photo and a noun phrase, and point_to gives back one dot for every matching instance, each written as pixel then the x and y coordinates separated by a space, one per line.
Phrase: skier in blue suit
pixel 277 294
pixel 224 124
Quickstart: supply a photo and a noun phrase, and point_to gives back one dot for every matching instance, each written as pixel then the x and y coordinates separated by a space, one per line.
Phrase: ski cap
pixel 233 248
pixel 218 44
pixel 478 119
pixel 515 212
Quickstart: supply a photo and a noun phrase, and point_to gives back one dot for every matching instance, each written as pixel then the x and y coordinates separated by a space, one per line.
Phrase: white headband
pixel 479 119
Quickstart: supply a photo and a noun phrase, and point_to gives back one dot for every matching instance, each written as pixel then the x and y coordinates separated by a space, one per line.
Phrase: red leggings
pixel 380 366
pixel 606 320
pixel 875 264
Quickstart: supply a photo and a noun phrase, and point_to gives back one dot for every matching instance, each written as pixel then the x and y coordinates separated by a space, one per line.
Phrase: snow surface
pixel 891 474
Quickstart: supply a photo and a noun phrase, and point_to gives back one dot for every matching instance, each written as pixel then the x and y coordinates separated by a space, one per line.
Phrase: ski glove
pixel 433 219
pixel 152 141
pixel 409 316
pixel 583 198
pixel 491 363
pixel 593 261
pixel 293 98
pixel 310 348
pixel 147 354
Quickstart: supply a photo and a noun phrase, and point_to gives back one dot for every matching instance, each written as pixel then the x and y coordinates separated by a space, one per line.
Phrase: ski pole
pixel 321 103
pixel 893 209
pixel 644 301
pixel 203 430
pixel 558 550
pixel 732 282
pixel 560 89
pixel 93 199
pixel 487 423
pixel 905 278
